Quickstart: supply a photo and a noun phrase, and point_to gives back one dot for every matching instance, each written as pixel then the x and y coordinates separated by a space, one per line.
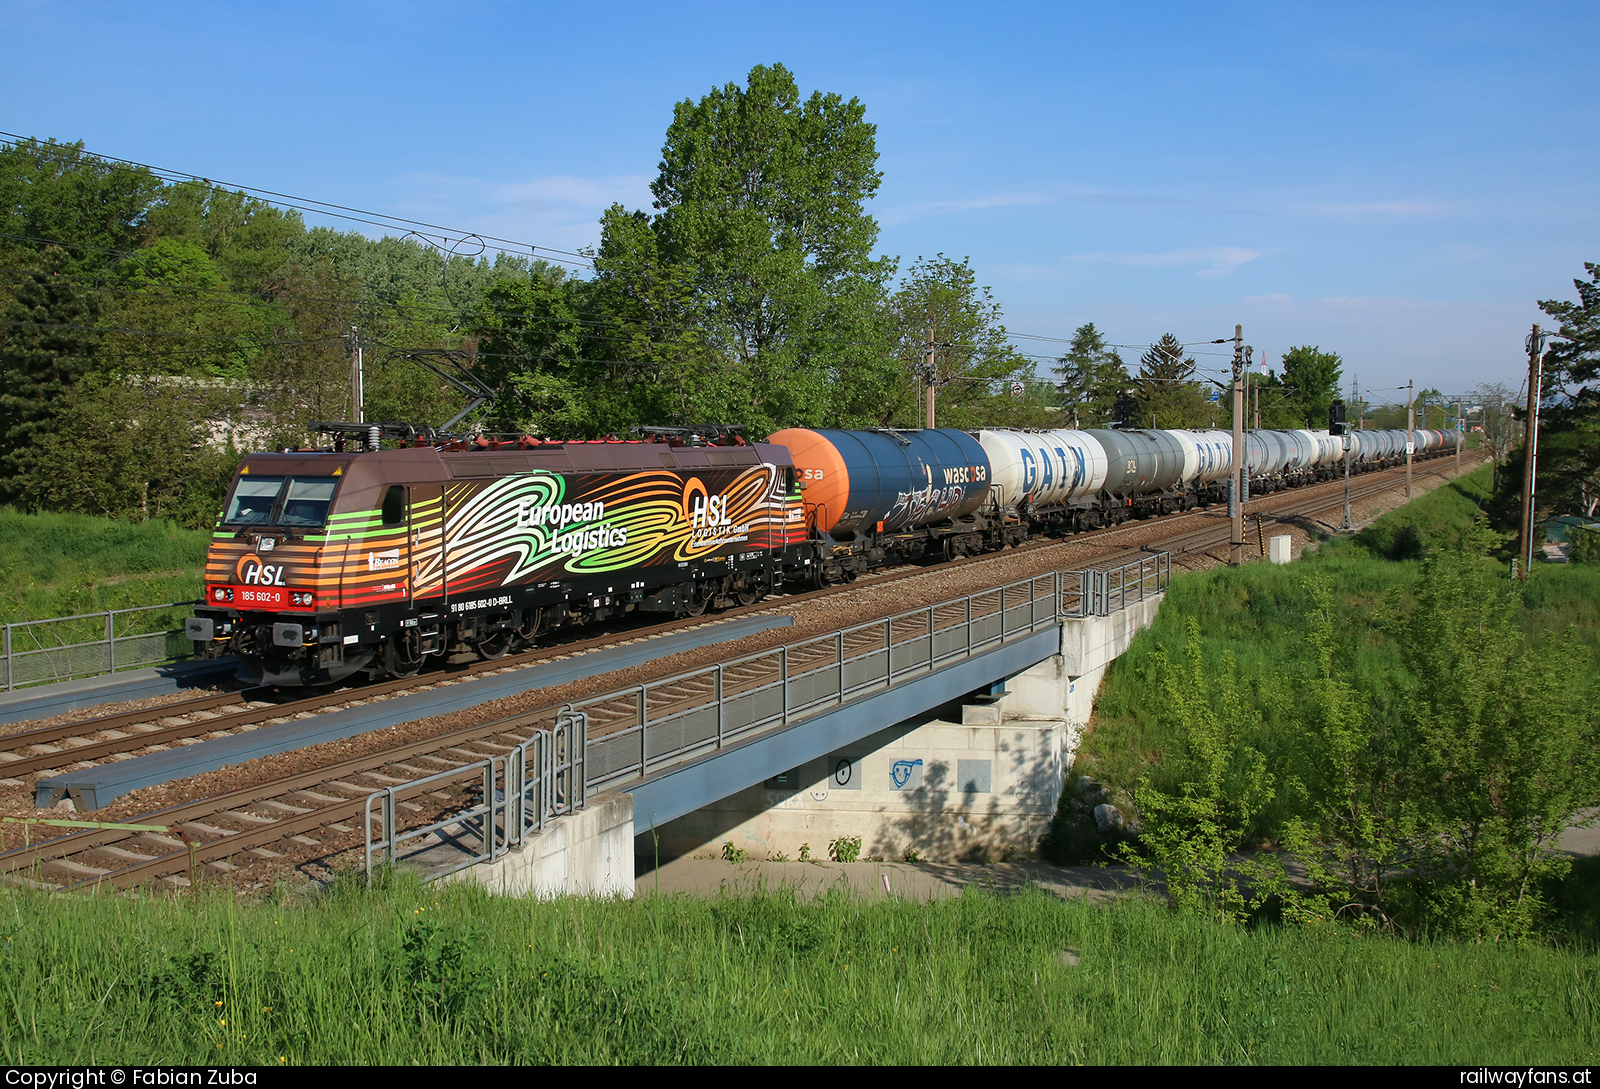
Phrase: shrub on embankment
pixel 1403 723
pixel 451 975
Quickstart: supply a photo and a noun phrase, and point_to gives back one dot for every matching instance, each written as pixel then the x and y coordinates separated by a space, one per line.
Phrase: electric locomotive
pixel 329 563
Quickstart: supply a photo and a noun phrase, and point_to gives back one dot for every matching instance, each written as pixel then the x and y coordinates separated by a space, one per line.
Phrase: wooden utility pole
pixel 1349 522
pixel 929 374
pixel 1411 433
pixel 1239 481
pixel 1530 443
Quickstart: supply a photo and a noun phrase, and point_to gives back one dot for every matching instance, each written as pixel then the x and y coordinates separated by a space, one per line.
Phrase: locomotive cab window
pixel 292 502
pixel 253 499
pixel 306 501
pixel 394 505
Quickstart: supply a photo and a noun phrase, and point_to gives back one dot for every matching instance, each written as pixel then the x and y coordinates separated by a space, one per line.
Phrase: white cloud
pixel 1218 260
pixel 902 213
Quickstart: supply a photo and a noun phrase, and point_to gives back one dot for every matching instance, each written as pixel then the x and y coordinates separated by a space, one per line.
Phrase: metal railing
pixel 642 729
pixel 665 721
pixel 64 648
pixel 1101 593
pixel 539 780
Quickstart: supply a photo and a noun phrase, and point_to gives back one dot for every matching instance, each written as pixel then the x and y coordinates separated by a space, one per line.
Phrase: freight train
pixel 362 558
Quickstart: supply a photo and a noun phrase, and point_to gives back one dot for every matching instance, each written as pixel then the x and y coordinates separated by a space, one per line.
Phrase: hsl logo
pixel 252 572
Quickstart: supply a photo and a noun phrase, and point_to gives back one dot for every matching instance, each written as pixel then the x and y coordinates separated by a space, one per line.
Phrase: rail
pixel 64 648
pixel 605 740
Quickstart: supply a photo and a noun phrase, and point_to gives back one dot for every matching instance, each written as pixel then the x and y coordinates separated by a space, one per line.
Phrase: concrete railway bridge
pixel 946 729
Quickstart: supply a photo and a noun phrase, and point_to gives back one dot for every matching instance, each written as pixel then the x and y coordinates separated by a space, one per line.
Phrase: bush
pixel 845 849
pixel 1583 545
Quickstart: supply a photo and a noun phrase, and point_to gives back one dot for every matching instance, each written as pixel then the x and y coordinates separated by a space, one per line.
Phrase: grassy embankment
pixel 1254 612
pixel 411 974
pixel 1260 615
pixel 64 564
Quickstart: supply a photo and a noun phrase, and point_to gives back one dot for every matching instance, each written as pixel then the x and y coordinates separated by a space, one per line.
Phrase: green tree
pixel 554 355
pixel 56 194
pixel 1311 376
pixel 1358 821
pixel 760 215
pixel 1091 377
pixel 1569 416
pixel 975 364
pixel 1166 393
pixel 1492 407
pixel 1507 746
pixel 47 343
pixel 252 243
pixel 1440 810
pixel 135 447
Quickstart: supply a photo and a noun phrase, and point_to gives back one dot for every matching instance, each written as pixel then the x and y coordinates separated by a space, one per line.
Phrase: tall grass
pixel 414 974
pixel 63 564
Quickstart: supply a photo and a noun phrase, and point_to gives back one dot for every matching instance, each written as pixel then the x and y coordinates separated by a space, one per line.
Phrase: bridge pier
pixel 587 853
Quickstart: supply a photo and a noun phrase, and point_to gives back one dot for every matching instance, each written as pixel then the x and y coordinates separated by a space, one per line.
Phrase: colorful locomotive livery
pixel 410 553
pixel 333 562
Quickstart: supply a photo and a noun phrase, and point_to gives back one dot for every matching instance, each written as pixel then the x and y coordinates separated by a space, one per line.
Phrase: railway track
pixel 27 754
pixel 316 814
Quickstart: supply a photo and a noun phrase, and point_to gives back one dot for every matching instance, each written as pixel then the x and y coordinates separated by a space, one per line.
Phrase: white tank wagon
pixel 1052 478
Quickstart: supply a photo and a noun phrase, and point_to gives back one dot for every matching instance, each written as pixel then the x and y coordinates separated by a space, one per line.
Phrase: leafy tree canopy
pixel 758 260
pixel 976 366
pixel 1569 426
pixel 1312 377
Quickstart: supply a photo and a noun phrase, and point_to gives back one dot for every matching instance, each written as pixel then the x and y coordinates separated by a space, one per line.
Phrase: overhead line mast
pixel 1241 481
pixel 1530 459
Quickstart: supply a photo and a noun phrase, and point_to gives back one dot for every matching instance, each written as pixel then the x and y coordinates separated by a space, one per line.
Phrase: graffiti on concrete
pixel 902 772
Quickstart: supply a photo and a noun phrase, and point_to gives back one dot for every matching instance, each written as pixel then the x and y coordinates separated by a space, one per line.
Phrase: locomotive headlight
pixel 222 593
pixel 299 598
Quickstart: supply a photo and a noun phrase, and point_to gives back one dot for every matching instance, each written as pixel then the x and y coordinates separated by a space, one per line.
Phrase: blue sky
pixel 1395 182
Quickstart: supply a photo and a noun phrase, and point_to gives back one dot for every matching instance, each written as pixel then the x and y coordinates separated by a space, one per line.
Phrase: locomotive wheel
pixel 495 646
pixel 699 601
pixel 402 653
pixel 748 594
